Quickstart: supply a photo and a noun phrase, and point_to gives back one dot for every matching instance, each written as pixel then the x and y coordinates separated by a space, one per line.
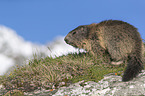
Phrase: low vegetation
pixel 52 73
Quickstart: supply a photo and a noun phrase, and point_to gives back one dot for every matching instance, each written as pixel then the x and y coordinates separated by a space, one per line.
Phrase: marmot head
pixel 77 37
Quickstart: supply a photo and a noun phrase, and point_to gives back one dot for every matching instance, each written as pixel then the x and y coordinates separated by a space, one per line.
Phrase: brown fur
pixel 119 39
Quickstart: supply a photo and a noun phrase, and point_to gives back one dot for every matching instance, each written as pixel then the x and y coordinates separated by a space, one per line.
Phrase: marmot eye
pixel 74 33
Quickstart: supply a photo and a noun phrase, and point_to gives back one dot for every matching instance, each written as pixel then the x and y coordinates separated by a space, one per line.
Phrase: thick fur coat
pixel 119 39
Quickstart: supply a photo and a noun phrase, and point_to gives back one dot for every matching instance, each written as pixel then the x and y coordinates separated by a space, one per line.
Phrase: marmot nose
pixel 65 39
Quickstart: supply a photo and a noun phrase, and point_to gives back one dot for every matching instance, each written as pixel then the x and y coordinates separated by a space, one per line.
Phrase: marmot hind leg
pixel 117 55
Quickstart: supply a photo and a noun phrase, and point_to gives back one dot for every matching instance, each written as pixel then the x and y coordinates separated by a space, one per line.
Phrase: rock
pixel 111 85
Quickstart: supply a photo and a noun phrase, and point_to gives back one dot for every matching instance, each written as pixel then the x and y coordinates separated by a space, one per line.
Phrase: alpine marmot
pixel 119 39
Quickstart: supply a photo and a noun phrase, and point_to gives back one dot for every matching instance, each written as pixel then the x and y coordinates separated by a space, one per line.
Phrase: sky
pixel 40 21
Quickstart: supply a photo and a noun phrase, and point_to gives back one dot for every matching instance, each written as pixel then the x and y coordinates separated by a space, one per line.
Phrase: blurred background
pixel 39 26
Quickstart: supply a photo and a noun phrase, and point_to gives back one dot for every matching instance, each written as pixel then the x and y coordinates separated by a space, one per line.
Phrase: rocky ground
pixel 111 85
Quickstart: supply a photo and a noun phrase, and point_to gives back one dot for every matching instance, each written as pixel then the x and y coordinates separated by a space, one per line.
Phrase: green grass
pixel 49 72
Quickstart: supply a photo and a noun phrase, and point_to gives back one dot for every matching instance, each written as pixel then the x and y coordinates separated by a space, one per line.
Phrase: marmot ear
pixel 91 30
pixel 85 30
pixel 82 28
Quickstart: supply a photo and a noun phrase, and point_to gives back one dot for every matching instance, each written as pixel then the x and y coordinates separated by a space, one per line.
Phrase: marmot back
pixel 119 39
